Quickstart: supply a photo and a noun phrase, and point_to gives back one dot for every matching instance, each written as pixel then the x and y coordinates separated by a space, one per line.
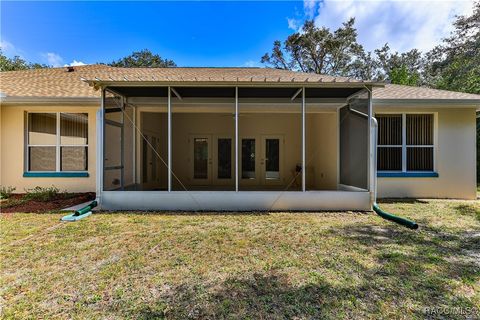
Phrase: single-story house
pixel 233 138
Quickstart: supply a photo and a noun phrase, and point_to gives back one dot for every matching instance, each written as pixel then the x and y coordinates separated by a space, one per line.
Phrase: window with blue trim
pixel 405 142
pixel 57 142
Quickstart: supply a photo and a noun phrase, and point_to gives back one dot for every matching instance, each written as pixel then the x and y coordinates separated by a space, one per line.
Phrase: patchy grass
pixel 257 266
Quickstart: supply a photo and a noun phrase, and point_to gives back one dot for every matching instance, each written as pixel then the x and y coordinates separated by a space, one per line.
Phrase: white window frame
pixel 404 145
pixel 58 144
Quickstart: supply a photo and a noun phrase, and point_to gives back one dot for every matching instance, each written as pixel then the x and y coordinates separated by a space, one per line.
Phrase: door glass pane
pixel 248 158
pixel 154 159
pixel 145 159
pixel 272 159
pixel 224 158
pixel 73 158
pixel 42 128
pixel 200 158
pixel 41 158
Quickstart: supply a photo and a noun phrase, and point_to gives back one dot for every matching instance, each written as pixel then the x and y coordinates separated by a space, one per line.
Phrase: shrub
pixel 6 191
pixel 42 194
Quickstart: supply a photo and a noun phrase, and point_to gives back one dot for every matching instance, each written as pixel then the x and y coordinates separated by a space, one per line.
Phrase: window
pixel 405 142
pixel 57 141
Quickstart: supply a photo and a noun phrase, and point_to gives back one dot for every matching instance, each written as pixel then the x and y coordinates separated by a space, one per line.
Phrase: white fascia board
pixel 262 84
pixel 428 103
pixel 50 101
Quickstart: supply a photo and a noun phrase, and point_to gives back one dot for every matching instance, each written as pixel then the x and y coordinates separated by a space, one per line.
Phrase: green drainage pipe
pixel 81 213
pixel 404 222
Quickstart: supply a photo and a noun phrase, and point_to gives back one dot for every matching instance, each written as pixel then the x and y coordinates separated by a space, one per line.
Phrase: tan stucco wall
pixel 455 152
pixel 455 159
pixel 12 150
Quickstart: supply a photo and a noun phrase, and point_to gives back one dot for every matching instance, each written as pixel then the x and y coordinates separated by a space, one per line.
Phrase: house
pixel 233 138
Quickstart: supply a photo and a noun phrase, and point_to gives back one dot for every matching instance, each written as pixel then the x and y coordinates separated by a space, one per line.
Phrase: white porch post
pixel 370 151
pixel 169 117
pixel 236 139
pixel 100 143
pixel 303 141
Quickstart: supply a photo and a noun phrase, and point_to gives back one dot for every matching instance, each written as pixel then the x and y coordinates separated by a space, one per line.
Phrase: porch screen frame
pixel 121 125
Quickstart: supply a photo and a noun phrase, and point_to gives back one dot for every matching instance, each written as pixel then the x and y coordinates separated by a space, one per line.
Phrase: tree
pixel 17 63
pixel 143 58
pixel 318 50
pixel 401 75
pixel 455 63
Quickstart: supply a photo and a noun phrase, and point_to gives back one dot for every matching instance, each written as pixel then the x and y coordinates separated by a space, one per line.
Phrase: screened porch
pixel 235 148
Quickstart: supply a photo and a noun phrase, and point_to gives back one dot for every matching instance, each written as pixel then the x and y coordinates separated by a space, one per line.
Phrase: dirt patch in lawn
pixel 20 203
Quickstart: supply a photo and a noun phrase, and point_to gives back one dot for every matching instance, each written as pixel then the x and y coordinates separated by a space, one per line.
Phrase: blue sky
pixel 207 33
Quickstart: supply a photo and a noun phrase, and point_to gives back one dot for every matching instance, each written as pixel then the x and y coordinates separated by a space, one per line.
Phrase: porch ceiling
pixel 227 92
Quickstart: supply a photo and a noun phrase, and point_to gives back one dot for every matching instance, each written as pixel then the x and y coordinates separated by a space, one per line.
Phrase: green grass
pixel 249 266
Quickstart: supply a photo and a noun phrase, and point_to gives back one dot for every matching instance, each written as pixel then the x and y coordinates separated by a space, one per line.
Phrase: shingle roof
pixel 395 91
pixel 192 74
pixel 57 82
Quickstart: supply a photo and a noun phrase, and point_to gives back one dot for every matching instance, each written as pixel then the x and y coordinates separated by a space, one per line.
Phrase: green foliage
pixel 401 75
pixel 17 63
pixel 6 191
pixel 478 146
pixel 317 50
pixel 42 193
pixel 337 53
pixel 143 58
pixel 455 64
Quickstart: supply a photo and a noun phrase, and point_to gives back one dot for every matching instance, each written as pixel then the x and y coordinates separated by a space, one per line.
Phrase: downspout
pixel 386 215
pixel 373 171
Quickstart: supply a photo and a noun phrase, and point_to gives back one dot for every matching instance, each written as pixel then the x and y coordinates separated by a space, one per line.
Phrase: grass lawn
pixel 257 266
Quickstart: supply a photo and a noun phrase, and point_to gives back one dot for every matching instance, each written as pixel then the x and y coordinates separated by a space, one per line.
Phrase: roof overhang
pixel 97 84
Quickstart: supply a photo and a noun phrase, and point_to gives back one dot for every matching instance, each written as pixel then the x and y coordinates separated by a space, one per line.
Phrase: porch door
pixel 271 160
pixel 151 164
pixel 113 158
pixel 249 161
pixel 223 155
pixel 201 159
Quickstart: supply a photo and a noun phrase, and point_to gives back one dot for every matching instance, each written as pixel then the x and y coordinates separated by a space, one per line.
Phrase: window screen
pixel 50 149
pixel 415 152
pixel 389 156
pixel 419 129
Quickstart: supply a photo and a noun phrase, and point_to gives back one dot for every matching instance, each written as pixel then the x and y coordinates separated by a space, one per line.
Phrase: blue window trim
pixel 407 174
pixel 63 174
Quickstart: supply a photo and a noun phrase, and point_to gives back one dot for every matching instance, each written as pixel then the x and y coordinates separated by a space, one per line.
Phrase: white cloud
pixel 252 64
pixel 75 63
pixel 53 59
pixel 309 7
pixel 9 49
pixel 403 24
pixel 6 46
pixel 293 24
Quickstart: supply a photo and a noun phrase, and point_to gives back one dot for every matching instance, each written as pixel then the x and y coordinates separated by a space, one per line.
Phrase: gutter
pixel 97 84
pixel 74 101
pixel 429 103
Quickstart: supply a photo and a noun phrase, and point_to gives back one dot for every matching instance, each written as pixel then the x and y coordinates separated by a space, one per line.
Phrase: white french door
pixel 151 163
pixel 261 160
pixel 271 163
pixel 211 159
pixel 200 159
